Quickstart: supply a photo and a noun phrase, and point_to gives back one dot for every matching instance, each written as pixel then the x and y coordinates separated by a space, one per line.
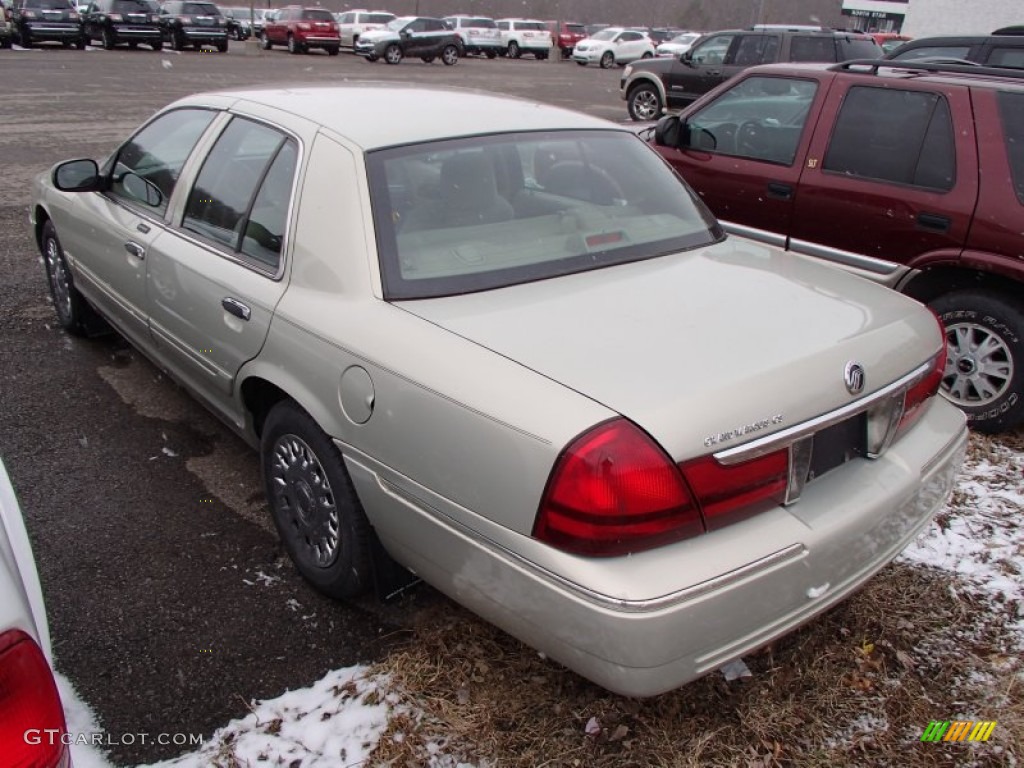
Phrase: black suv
pixel 124 21
pixel 36 21
pixel 195 24
pixel 1003 48
pixel 652 85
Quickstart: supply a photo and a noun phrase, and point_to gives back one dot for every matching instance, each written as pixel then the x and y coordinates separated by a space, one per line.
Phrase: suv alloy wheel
pixel 644 103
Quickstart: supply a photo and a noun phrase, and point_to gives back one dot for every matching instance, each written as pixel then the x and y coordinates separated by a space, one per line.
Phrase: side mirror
pixel 687 58
pixel 77 176
pixel 142 189
pixel 668 131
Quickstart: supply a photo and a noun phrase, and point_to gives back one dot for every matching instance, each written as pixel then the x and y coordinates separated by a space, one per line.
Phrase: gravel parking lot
pixel 170 601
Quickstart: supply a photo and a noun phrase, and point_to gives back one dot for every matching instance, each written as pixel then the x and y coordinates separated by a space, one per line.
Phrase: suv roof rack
pixel 857 65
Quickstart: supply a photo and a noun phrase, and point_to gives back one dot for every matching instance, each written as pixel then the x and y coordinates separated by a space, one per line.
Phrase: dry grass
pixel 856 687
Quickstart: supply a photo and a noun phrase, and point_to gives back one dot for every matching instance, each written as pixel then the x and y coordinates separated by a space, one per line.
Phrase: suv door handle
pixel 934 222
pixel 779 190
pixel 135 250
pixel 236 308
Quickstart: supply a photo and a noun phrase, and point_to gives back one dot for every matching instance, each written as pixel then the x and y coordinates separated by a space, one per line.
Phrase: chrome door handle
pixel 236 308
pixel 135 250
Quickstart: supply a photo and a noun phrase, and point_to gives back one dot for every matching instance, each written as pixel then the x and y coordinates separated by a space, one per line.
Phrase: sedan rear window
pixel 475 214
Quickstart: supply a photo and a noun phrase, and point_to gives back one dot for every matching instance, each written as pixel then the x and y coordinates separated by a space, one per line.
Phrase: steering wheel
pixel 747 135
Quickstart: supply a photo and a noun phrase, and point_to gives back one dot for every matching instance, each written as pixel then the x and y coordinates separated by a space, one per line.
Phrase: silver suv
pixel 351 24
pixel 479 34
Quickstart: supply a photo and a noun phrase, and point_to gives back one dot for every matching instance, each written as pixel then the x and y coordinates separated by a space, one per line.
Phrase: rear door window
pixel 1006 57
pixel 894 135
pixel 756 49
pixel 1011 110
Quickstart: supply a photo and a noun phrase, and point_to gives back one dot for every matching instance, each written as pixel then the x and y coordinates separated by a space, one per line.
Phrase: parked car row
pixel 180 23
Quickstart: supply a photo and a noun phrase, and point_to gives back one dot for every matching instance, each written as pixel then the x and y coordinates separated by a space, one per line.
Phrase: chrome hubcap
pixel 979 366
pixel 645 104
pixel 304 500
pixel 58 278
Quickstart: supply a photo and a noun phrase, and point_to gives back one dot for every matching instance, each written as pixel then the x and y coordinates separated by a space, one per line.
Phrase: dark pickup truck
pixel 909 174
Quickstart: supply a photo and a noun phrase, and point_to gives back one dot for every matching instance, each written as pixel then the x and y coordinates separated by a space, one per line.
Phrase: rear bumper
pixel 205 33
pixel 648 623
pixel 44 30
pixel 319 41
pixel 138 33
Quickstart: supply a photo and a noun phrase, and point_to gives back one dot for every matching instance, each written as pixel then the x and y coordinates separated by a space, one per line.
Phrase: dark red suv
pixel 301 29
pixel 908 174
pixel 566 34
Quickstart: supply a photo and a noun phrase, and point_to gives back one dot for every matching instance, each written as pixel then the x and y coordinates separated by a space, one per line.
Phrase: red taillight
pixel 728 493
pixel 31 717
pixel 615 491
pixel 926 387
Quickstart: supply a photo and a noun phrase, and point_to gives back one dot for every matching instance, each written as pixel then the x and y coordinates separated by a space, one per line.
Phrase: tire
pixel 265 43
pixel 108 39
pixel 541 55
pixel 647 55
pixel 450 55
pixel 293 47
pixel 73 312
pixel 177 41
pixel 427 59
pixel 392 54
pixel 222 46
pixel 372 57
pixel 332 50
pixel 313 503
pixel 133 45
pixel 157 45
pixel 513 50
pixel 644 103
pixel 607 60
pixel 25 40
pixel 582 63
pixel 80 43
pixel 491 54
pixel 984 374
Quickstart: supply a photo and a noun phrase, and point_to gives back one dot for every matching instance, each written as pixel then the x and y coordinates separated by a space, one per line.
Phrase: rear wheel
pixel 582 63
pixel 984 374
pixel 314 505
pixel 542 55
pixel 513 50
pixel 427 59
pixel 332 50
pixel 178 42
pixel 222 46
pixel 450 55
pixel 647 55
pixel 265 42
pixel 109 41
pixel 607 60
pixel 80 43
pixel 492 54
pixel 157 45
pixel 392 54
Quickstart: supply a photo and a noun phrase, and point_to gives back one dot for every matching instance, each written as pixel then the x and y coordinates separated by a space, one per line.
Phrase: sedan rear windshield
pixel 315 15
pixel 487 212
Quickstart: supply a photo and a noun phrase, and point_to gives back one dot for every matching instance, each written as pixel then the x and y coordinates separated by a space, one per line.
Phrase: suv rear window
pixel 576 29
pixel 859 49
pixel 530 25
pixel 818 48
pixel 1011 109
pixel 48 5
pixel 895 135
pixel 489 23
pixel 199 9
pixel 135 6
pixel 317 16
pixel 377 18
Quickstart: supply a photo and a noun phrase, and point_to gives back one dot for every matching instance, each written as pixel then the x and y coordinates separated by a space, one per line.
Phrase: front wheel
pixel 178 42
pixel 984 374
pixel 264 42
pixel 644 103
pixel 607 60
pixel 450 55
pixel 73 312
pixel 513 50
pixel 647 55
pixel 582 63
pixel 392 54
pixel 293 46
pixel 314 505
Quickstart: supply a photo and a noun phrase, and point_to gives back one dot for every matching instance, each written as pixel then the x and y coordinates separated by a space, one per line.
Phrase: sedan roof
pixel 375 115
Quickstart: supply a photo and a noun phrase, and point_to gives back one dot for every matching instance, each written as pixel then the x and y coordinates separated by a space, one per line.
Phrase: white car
pixel 479 34
pixel 32 727
pixel 613 45
pixel 678 45
pixel 519 36
pixel 351 24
